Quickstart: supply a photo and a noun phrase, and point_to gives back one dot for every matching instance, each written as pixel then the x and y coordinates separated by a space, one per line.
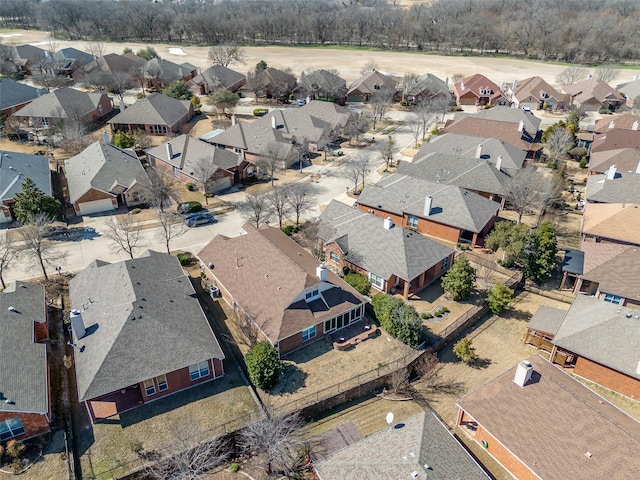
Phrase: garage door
pixel 87 208
pixel 220 184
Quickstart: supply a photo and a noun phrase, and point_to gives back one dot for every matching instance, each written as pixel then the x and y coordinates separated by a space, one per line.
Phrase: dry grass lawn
pixel 52 464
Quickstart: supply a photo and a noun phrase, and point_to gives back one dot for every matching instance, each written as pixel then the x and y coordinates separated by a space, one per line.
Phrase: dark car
pixel 198 219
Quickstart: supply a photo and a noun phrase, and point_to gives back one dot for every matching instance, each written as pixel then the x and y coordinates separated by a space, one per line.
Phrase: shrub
pixel 399 319
pixel 263 365
pixel 189 207
pixel 346 270
pixel 140 96
pixel 459 280
pixel 234 467
pixel 184 259
pixel 423 315
pixel 136 446
pixel 359 282
pixel 134 211
pixel 578 152
pixel 289 230
pixel 583 162
pixel 191 186
pixel 499 298
pixel 605 111
pixel 16 466
pixel 15 449
pixel 124 139
pixel 463 349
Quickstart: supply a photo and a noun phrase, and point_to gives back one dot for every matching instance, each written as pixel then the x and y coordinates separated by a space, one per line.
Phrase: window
pixel 333 256
pixel 163 386
pixel 412 221
pixel 609 297
pixel 309 333
pixel 149 387
pixel 310 295
pixel 445 263
pixel 199 370
pixel 11 428
pixel 376 281
pixel 45 122
pixel 176 171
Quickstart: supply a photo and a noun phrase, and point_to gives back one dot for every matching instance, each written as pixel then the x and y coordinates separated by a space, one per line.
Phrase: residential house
pixel 139 334
pixel 323 84
pixel 539 422
pixel 156 114
pixel 25 410
pixel 14 95
pixel 611 223
pixel 270 280
pixel 420 447
pixel 113 64
pixel 443 211
pixel 489 149
pixel 65 105
pixel 478 90
pixel 615 139
pixel 623 159
pixel 534 93
pixel 598 341
pixel 14 168
pixel 592 95
pixel 427 88
pixel 625 121
pixel 67 61
pixel 216 77
pixel 614 187
pixel 630 90
pixel 290 131
pixel 362 89
pixel 269 83
pixel 160 73
pixel 543 326
pixel 28 58
pixel 530 123
pixel 190 160
pixel 395 259
pixel 102 177
pixel 475 174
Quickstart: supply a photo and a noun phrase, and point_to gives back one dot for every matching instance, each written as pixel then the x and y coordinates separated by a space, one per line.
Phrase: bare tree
pixel 171 226
pixel 369 66
pixel 256 209
pixel 95 48
pixel 38 250
pixel 248 328
pixel 310 237
pixel 571 75
pixel 398 380
pixel 299 197
pixel 530 189
pixel 254 82
pixel 356 127
pixel 8 253
pixel 606 74
pixel 124 232
pixel 204 170
pixel 551 193
pixel 388 150
pixel 424 113
pixel 363 162
pixel 226 55
pixel 273 159
pixel 416 128
pixel 380 102
pixel 137 74
pixel 275 442
pixel 353 174
pixel 558 143
pixel 160 190
pixel 278 199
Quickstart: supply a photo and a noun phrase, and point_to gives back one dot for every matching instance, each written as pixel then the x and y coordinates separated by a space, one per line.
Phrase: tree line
pixel 571 30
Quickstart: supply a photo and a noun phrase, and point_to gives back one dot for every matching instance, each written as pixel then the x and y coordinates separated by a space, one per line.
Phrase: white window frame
pixel 334 257
pixel 412 221
pixel 163 385
pixel 309 333
pixel 377 281
pixel 149 387
pixel 176 171
pixel 445 263
pixel 615 299
pixel 45 122
pixel 13 431
pixel 196 370
pixel 309 296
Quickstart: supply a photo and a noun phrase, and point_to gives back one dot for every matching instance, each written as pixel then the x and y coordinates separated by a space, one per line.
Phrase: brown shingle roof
pixel 617 221
pixel 615 139
pixel 371 82
pixel 531 88
pixel 614 267
pixel 625 160
pixel 623 122
pixel 552 422
pixel 474 83
pixel 505 131
pixel 593 88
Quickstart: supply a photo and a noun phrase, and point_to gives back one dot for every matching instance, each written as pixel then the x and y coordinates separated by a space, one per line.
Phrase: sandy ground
pixel 348 62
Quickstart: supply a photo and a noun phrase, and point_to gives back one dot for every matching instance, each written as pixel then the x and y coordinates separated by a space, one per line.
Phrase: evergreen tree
pixel 540 254
pixel 459 280
pixel 31 201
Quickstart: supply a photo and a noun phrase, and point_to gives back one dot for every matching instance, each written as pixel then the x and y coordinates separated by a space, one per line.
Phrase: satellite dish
pixel 389 418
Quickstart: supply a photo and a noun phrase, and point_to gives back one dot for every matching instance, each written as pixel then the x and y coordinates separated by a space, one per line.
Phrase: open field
pixel 348 61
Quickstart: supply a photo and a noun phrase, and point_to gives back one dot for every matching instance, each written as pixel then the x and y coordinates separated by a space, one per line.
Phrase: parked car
pixel 302 102
pixel 198 219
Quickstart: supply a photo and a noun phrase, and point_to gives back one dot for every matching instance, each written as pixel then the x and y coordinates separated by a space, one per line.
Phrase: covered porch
pixel 114 403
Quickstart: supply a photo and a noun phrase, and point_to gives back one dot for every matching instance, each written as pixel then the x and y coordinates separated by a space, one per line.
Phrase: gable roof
pixel 63 103
pixel 170 72
pixel 476 82
pixel 23 376
pixel 534 88
pixel 507 114
pixel 451 205
pixel 104 167
pixel 506 131
pixel 617 221
pixel 15 166
pixel 278 270
pixel 546 319
pixel 113 62
pixel 416 442
pixel 217 76
pixel 466 172
pixel 614 267
pixel 614 139
pixel 371 82
pixel 624 188
pixel 142 319
pixel 625 160
pixel 630 89
pixel 73 54
pixel 593 88
pixel 427 83
pixel 13 93
pixel 29 53
pixel 603 332
pixel 624 122
pixel 467 146
pixel 325 81
pixel 385 252
pixel 555 406
pixel 188 152
pixel 155 109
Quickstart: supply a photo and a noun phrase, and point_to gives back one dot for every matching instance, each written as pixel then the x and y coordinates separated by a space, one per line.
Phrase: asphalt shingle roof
pixel 613 267
pixel 625 160
pixel 546 319
pixel 427 83
pixel 624 188
pixel 23 376
pixel 169 72
pixel 385 252
pixel 218 76
pixel 142 320
pixel 592 88
pixel 15 167
pixel 506 131
pixel 156 109
pixel 617 221
pixel 62 103
pixel 507 114
pixel 371 82
pixel 13 93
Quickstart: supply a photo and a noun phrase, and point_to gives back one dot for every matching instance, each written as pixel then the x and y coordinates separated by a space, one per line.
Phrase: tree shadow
pixel 75 234
pixel 480 363
pixel 519 315
pixel 292 378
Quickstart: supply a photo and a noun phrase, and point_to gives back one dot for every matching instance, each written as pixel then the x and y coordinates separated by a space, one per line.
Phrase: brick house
pixel 444 211
pixel 140 334
pixel 611 223
pixel 14 95
pixel 159 73
pixel 538 422
pixel 535 93
pixel 25 410
pixel 216 77
pixel 478 90
pixel 363 88
pixel 592 94
pixel 282 289
pixel 395 259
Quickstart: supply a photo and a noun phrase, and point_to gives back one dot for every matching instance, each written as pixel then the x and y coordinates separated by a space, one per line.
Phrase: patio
pixel 352 335
pixel 116 402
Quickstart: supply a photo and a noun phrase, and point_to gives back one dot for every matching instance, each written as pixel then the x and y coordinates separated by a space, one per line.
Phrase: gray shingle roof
pixel 218 76
pixel 370 82
pixel 74 54
pixel 466 172
pixel 395 453
pixel 366 243
pixel 624 188
pixel 23 376
pixel 62 103
pixel 15 167
pixel 114 63
pixel 507 114
pixel 13 93
pixel 546 319
pixel 427 83
pixel 143 320
pixel 467 146
pixel 451 205
pixel 630 89
pixel 603 332
pixel 170 72
pixel 100 166
pixel 156 109
pixel 29 52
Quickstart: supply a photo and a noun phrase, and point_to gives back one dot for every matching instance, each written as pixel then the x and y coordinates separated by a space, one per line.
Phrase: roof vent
pixel 13 309
pixel 523 373
pixel 414 474
pixel 628 315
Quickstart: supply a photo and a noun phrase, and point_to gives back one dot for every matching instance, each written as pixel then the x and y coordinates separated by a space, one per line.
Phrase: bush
pixel 423 315
pixel 135 446
pixel 16 466
pixel 605 111
pixel 263 365
pixel 189 207
pixel 15 449
pixel 289 230
pixel 463 349
pixel 578 152
pixel 191 186
pixel 140 96
pixel 234 467
pixel 184 259
pixel 399 319
pixel 124 139
pixel 499 298
pixel 459 280
pixel 359 282
pixel 583 162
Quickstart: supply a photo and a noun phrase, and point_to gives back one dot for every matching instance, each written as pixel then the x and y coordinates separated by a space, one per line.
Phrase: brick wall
pixel 180 379
pixel 295 341
pixel 607 377
pixel 33 423
pixel 439 230
pixel 93 195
